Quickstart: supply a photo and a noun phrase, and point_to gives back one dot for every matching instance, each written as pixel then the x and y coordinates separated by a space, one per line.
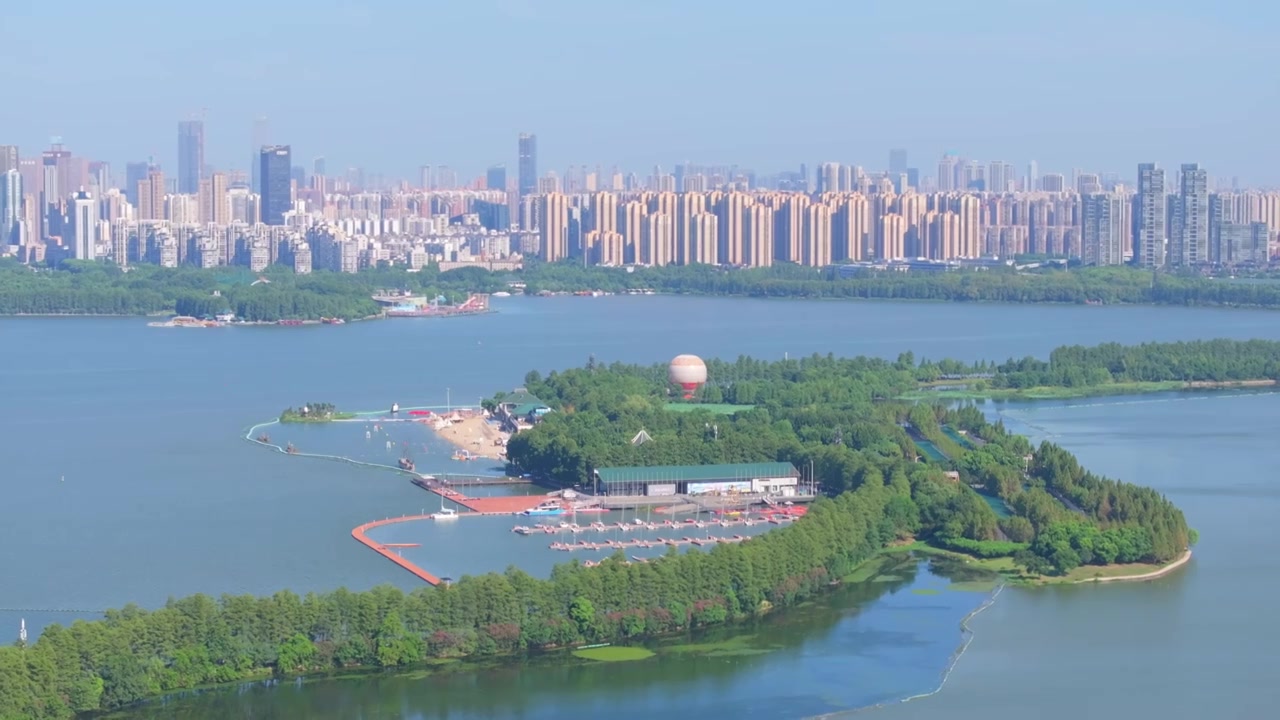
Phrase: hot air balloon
pixel 687 371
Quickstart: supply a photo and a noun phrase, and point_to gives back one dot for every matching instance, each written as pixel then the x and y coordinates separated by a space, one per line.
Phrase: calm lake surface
pixel 127 479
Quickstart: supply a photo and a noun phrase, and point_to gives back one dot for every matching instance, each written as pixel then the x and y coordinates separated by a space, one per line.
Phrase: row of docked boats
pixel 640 543
pixel 639 524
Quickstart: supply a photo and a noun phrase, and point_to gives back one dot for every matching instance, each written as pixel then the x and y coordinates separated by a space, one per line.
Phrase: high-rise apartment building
pixel 528 168
pixel 274 172
pixel 947 173
pixel 150 193
pixel 997 180
pixel 1102 228
pixel 84 221
pixel 190 156
pixel 554 217
pixel 1189 231
pixel 1053 182
pixel 1149 217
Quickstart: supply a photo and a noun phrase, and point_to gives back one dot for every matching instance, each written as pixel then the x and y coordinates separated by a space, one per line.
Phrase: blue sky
pixel 1094 84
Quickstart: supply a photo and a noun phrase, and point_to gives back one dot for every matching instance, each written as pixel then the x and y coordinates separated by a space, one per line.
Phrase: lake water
pixel 127 478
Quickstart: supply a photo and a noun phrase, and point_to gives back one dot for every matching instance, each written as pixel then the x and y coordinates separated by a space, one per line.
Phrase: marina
pixel 659 542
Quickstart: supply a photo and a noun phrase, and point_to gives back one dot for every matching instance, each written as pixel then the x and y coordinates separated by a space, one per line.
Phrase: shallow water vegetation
pixel 614 653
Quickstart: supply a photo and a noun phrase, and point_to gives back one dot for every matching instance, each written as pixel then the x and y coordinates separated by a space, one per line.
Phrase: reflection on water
pixel 861 645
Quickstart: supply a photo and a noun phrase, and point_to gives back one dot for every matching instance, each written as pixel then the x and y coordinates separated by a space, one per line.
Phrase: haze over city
pixel 392 86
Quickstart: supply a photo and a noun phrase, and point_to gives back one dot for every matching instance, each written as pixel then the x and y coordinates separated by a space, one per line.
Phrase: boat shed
pixel 778 478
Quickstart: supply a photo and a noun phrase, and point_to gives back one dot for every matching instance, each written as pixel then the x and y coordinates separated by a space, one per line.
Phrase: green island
pixel 97 288
pixel 314 413
pixel 885 497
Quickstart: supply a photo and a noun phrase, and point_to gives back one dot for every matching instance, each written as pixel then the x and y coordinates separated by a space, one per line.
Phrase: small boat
pixel 546 508
pixel 406 464
pixel 445 514
pixel 638 521
pixel 395 408
pixel 264 438
pixel 291 449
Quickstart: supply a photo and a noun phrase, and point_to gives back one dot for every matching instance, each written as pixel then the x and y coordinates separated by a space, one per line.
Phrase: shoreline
pixel 1095 391
pixel 1158 573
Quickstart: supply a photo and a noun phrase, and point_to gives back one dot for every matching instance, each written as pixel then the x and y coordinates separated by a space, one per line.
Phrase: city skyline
pixel 933 93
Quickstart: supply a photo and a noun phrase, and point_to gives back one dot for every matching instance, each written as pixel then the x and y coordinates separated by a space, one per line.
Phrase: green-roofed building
pixel 776 478
pixel 519 410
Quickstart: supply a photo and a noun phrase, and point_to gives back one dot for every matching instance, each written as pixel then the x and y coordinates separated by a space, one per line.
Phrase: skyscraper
pixel 897 161
pixel 274 170
pixel 317 166
pixel 1102 230
pixel 190 156
pixel 528 148
pixel 10 206
pixel 8 158
pixel 1190 233
pixel 84 220
pixel 1149 217
pixel 496 178
pixel 259 141
pixel 134 173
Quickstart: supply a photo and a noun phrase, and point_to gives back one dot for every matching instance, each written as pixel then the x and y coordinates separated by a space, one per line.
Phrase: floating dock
pixel 385 549
pixel 501 505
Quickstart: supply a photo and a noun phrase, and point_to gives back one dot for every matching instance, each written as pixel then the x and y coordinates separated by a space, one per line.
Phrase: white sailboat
pixel 445 513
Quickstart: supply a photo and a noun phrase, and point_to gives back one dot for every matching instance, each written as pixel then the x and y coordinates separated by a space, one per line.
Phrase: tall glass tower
pixel 528 147
pixel 190 156
pixel 274 172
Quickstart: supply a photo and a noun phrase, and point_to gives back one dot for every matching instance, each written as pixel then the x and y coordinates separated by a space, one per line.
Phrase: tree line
pixel 1196 361
pixel 134 654
pixel 79 287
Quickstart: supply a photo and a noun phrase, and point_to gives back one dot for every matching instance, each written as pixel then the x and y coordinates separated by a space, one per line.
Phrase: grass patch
pixel 870 569
pixel 713 408
pixel 978 586
pixel 925 591
pixel 1084 573
pixel 614 653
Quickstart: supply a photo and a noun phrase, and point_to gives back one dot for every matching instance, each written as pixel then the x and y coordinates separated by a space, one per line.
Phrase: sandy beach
pixel 476 436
